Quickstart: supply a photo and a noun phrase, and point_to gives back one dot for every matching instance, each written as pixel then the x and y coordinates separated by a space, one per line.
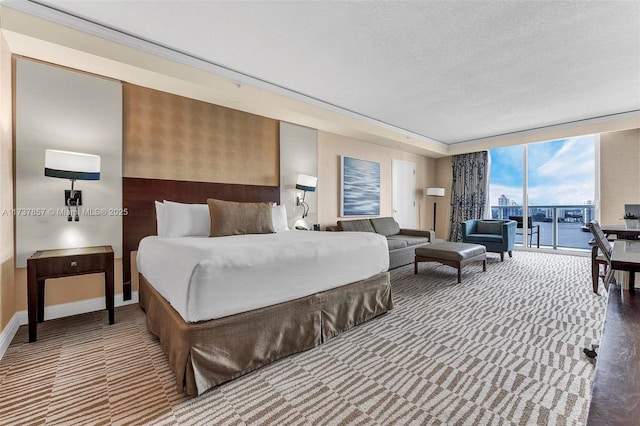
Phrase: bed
pixel 301 305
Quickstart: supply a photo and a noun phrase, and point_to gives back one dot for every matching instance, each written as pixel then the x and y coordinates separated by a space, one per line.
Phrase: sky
pixel 559 172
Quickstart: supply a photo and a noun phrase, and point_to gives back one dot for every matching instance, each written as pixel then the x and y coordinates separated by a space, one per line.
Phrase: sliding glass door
pixel 555 197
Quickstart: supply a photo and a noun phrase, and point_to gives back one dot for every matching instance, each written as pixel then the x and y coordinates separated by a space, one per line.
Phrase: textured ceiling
pixel 452 71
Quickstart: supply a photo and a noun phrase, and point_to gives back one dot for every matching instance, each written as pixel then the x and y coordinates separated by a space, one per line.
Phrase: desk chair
pixel 605 248
pixel 603 256
pixel 597 260
pixel 531 228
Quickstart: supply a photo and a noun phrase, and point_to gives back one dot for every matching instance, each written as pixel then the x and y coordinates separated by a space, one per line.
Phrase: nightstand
pixel 46 264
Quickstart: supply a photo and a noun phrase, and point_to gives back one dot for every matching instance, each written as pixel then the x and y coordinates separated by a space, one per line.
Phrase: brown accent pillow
pixel 233 218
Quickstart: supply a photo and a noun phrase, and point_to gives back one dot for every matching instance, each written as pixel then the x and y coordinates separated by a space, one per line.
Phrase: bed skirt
pixel 208 353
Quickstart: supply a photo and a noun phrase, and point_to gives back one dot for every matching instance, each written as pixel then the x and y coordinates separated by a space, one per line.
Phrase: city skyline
pixel 560 172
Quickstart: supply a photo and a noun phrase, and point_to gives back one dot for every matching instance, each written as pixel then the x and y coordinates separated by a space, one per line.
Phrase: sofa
pixel 497 236
pixel 402 242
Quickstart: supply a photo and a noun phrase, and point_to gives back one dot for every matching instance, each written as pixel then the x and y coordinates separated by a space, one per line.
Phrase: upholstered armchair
pixel 497 236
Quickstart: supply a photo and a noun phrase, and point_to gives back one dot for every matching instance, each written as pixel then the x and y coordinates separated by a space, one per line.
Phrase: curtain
pixel 470 190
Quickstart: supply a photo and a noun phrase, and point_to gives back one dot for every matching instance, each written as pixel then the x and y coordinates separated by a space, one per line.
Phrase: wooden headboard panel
pixel 139 194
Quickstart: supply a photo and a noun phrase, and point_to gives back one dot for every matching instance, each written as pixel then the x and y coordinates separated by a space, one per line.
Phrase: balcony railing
pixel 561 226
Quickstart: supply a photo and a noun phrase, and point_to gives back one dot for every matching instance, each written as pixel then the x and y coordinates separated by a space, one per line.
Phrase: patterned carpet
pixel 503 347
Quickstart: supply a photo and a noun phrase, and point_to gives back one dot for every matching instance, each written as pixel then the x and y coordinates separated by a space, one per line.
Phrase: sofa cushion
pixel 483 238
pixel 396 244
pixel 385 226
pixel 359 225
pixel 410 239
pixel 488 227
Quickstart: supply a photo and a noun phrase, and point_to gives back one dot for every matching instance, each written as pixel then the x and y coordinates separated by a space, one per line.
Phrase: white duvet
pixel 206 278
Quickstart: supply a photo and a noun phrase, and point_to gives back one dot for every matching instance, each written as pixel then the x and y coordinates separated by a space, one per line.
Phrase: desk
pixel 626 257
pixel 46 264
pixel 621 232
pixel 615 394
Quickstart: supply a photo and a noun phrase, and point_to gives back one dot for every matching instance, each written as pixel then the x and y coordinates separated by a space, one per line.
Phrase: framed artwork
pixel 359 187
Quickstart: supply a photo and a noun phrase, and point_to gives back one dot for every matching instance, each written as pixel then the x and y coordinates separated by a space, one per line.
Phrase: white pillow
pixel 159 218
pixel 279 218
pixel 185 220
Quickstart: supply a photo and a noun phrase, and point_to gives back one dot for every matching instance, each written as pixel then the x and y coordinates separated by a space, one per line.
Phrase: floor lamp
pixel 434 192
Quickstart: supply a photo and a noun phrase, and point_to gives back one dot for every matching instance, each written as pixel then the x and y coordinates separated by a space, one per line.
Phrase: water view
pixel 554 182
pixel 571 221
pixel 570 235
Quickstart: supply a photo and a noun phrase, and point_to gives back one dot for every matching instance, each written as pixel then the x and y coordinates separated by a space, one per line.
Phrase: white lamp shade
pixel 435 192
pixel 306 183
pixel 71 165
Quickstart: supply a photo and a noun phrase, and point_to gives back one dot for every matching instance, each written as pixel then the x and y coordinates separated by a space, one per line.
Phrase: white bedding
pixel 206 278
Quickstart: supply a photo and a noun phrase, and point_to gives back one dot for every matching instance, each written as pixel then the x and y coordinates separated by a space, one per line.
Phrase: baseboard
pixel 59 311
pixel 6 336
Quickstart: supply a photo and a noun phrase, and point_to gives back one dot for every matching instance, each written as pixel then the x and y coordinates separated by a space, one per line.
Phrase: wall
pixel 66 110
pixel 172 137
pixel 61 109
pixel 7 287
pixel 619 174
pixel 332 146
pixel 298 155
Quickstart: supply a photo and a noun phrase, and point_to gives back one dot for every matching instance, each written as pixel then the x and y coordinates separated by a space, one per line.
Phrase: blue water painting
pixel 360 187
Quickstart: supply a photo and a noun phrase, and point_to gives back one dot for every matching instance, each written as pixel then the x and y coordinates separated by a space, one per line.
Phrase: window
pixel 559 186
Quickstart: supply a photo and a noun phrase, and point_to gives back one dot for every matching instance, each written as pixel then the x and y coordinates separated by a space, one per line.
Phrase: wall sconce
pixel 73 166
pixel 306 184
pixel 434 192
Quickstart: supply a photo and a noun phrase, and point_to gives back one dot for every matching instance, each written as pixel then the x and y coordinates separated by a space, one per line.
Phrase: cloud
pixel 575 158
pixel 566 193
pixel 561 194
pixel 561 172
pixel 513 193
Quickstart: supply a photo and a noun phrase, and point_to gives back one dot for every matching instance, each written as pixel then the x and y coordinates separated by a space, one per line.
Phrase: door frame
pixel 396 184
